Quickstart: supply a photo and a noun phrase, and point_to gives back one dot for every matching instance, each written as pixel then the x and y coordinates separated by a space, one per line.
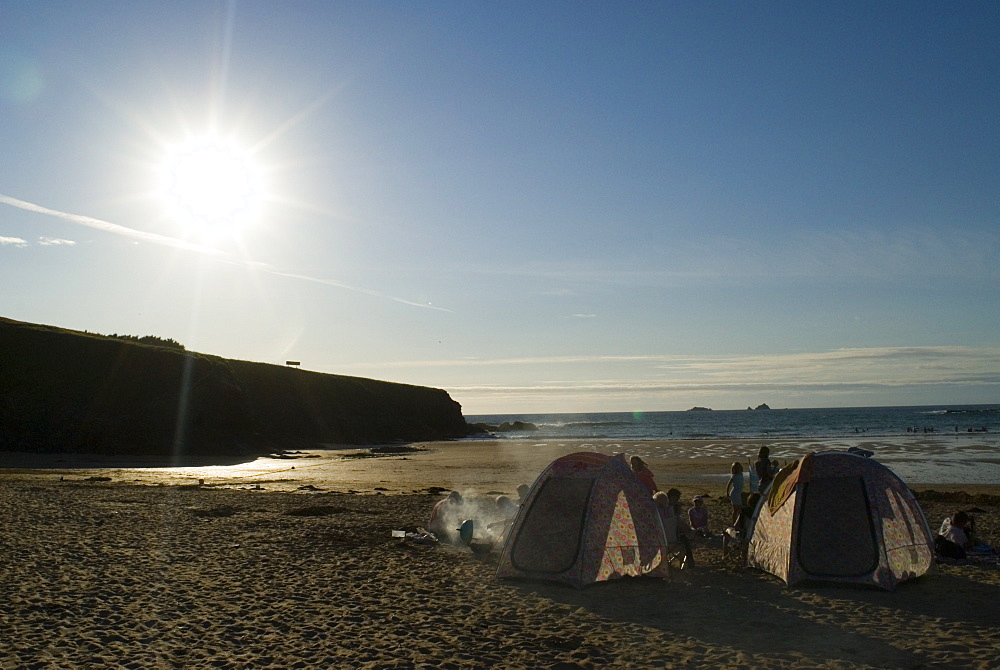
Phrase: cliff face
pixel 65 391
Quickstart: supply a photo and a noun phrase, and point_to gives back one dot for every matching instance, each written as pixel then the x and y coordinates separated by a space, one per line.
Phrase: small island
pixel 700 409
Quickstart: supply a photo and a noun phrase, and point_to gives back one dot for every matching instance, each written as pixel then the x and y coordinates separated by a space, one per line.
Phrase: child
pixel 954 542
pixel 698 516
pixel 673 525
pixel 734 489
pixel 762 466
pixel 643 472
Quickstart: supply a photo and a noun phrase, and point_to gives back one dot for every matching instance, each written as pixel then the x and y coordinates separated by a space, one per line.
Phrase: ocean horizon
pixel 770 423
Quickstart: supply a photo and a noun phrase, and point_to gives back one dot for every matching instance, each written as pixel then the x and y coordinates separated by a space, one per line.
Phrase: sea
pixel 937 444
pixel 703 424
pixel 953 445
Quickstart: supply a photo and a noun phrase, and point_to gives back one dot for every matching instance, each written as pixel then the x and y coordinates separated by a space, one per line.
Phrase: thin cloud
pixel 340 284
pixel 837 369
pixel 661 387
pixel 840 373
pixel 906 355
pixel 912 364
pixel 49 241
pixel 13 242
pixel 164 240
pixel 723 259
pixel 534 360
pixel 108 227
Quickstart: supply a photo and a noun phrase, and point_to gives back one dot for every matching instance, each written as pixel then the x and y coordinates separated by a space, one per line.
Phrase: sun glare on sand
pixel 212 186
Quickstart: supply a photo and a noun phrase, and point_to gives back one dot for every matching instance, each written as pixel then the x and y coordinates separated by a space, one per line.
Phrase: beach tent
pixel 840 517
pixel 587 518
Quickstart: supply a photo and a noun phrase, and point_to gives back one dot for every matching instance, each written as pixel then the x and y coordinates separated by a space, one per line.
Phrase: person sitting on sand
pixel 506 511
pixel 954 542
pixel 522 494
pixel 674 525
pixel 734 489
pixel 698 516
pixel 643 472
pixel 444 516
pixel 506 507
pixel 674 501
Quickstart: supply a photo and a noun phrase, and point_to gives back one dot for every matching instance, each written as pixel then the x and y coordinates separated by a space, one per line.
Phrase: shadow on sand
pixel 754 614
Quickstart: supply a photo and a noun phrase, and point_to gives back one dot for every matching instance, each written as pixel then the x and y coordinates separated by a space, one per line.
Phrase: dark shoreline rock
pixel 505 427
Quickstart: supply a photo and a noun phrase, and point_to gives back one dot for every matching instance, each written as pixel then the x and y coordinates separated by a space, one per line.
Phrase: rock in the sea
pixel 700 409
pixel 511 426
pixel 505 427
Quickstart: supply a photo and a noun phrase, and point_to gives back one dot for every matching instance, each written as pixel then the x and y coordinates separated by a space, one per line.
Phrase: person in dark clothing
pixel 765 471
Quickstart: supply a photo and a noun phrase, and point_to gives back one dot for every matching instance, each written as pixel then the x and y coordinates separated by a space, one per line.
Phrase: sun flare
pixel 212 186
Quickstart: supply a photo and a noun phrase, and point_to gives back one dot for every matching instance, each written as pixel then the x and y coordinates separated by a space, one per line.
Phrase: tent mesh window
pixel 550 536
pixel 835 514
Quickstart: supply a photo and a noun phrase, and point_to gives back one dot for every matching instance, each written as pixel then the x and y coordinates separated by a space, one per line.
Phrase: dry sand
pixel 141 569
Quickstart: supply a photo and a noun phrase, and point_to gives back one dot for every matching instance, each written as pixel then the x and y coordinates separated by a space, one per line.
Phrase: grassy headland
pixel 64 391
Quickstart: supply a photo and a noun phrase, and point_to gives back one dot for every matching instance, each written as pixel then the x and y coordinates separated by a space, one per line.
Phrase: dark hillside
pixel 66 391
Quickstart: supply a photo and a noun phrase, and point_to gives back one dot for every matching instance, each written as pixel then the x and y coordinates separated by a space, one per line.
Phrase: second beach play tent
pixel 586 519
pixel 840 517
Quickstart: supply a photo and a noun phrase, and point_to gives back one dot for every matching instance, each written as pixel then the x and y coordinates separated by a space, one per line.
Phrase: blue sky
pixel 538 206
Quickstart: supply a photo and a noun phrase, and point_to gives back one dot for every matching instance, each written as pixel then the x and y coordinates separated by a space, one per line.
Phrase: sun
pixel 212 186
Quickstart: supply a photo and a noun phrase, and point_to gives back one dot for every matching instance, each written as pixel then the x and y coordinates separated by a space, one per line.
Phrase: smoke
pixel 490 516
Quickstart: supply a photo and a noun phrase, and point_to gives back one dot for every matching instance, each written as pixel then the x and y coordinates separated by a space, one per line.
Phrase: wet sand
pixel 110 565
pixel 481 466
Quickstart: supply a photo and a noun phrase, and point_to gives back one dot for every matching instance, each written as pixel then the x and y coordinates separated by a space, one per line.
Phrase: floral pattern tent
pixel 586 519
pixel 840 517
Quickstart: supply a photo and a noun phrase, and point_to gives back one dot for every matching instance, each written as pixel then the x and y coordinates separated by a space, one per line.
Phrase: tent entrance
pixel 835 514
pixel 549 539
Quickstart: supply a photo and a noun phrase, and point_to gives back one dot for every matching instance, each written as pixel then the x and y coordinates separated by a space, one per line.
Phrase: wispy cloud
pixel 532 361
pixel 108 227
pixel 648 388
pixel 13 242
pixel 164 240
pixel 909 363
pixel 806 254
pixel 340 284
pixel 884 372
pixel 905 358
pixel 49 241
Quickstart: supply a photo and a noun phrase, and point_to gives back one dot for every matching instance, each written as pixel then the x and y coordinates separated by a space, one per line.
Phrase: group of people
pixel 763 467
pixel 679 528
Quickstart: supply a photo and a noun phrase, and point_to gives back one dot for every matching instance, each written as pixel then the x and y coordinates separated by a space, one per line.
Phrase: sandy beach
pixel 290 563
